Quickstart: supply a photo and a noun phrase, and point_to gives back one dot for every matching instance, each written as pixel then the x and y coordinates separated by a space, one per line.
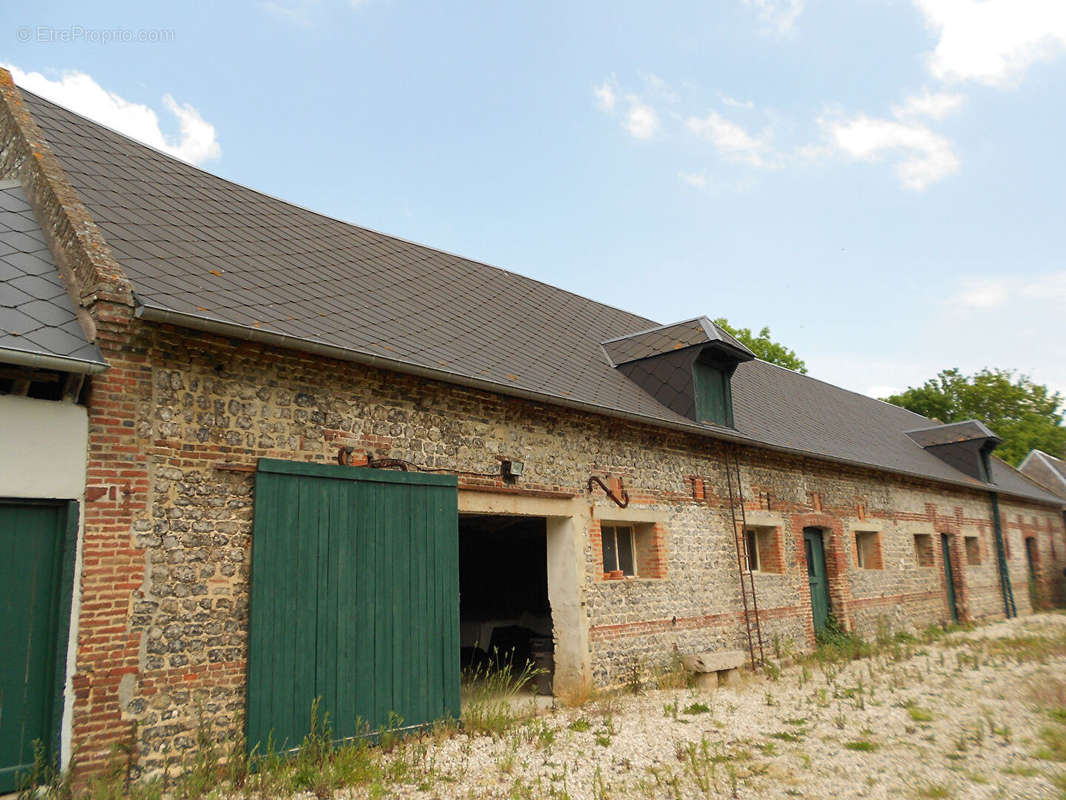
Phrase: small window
pixel 618 549
pixel 973 551
pixel 868 550
pixel 751 550
pixel 762 550
pixel 923 549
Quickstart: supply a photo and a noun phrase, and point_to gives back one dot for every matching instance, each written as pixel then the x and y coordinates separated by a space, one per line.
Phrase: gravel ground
pixel 960 716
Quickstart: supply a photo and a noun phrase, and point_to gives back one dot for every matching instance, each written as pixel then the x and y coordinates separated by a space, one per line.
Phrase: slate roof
pixel 212 251
pixel 36 313
pixel 1045 469
pixel 667 338
pixel 952 433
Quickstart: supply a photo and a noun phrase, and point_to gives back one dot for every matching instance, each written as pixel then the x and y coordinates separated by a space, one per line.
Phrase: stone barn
pixel 316 461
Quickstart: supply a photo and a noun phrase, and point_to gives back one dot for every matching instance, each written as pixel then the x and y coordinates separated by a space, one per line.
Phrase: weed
pixel 919 714
pixel 44 780
pixel 605 733
pixel 1054 748
pixel 674 675
pixel 772 670
pixel 696 708
pixel 601 790
pixel 863 746
pixel 635 677
pixel 790 736
pixel 541 734
pixel 490 691
pixel 836 645
pixel 580 725
pixel 1021 772
pixel 934 790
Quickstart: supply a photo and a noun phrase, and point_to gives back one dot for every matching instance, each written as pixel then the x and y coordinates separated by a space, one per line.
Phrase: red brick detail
pixel 836 564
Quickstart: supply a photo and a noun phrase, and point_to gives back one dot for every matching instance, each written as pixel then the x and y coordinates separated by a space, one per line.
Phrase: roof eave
pixel 157 314
pixel 26 358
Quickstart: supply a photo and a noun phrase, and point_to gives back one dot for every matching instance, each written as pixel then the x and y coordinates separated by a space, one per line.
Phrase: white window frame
pixel 612 531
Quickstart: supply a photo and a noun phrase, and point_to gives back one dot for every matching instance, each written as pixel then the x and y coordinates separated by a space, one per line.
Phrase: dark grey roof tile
pixel 46 312
pixel 39 263
pixel 14 321
pixel 11 296
pixel 18 240
pixel 56 340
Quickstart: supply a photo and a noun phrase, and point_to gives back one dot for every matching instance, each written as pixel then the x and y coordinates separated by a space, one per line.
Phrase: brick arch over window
pixel 836 566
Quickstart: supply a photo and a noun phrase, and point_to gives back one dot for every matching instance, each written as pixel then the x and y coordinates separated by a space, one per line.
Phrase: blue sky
pixel 879 181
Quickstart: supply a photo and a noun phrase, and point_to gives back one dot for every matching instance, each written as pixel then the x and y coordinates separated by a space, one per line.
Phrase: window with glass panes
pixel 618 549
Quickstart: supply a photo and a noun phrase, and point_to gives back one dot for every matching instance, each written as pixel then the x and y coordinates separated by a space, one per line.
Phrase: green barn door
pixel 354 600
pixel 816 574
pixel 36 559
pixel 945 548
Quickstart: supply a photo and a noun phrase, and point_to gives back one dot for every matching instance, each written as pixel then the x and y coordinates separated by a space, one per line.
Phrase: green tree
pixel 1024 414
pixel 764 347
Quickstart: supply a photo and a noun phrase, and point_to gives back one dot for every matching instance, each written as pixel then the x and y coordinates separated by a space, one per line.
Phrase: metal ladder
pixel 751 607
pixel 1010 609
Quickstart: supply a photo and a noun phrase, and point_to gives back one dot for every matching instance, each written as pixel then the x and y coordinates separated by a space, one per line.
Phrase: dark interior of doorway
pixel 504 613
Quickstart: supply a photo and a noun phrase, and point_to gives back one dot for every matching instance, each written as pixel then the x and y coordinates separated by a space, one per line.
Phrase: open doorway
pixel 504 612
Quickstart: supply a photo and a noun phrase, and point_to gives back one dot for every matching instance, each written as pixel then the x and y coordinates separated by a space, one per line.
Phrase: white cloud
pixel 733 102
pixel 981 294
pixel 660 88
pixel 778 15
pixel 1051 287
pixel 924 156
pixel 995 41
pixel 641 120
pixel 80 93
pixel 935 105
pixel 696 180
pixel 606 98
pixel 303 12
pixel 733 141
pixel 988 293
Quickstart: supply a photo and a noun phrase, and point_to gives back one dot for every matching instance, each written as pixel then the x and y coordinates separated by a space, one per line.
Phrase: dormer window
pixel 687 366
pixel 966 446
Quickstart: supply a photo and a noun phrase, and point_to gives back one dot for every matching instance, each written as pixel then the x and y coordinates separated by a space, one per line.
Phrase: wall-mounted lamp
pixel 511 470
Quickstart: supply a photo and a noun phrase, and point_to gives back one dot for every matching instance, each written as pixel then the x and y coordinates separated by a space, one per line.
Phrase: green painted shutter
pixel 354 600
pixel 36 574
pixel 714 398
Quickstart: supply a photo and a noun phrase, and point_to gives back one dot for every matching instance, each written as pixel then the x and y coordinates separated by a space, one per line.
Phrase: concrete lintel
pixel 764 519
pixel 612 513
pixel 471 501
pixel 875 525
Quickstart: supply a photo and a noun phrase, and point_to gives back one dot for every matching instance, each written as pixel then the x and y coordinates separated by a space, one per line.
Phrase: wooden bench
pixel 715 668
